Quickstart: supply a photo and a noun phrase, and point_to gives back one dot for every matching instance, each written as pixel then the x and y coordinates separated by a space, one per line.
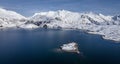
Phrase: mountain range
pixel 107 26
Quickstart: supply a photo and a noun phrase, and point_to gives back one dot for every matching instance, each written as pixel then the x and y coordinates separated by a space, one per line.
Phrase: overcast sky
pixel 29 7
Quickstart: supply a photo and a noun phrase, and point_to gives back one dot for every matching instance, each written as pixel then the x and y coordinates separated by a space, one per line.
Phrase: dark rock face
pixel 1 26
pixel 29 22
pixel 117 17
pixel 59 27
pixel 38 23
pixel 57 18
pixel 45 26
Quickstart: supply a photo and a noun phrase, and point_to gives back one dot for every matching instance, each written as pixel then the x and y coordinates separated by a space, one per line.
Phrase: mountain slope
pixel 10 18
pixel 72 17
pixel 10 14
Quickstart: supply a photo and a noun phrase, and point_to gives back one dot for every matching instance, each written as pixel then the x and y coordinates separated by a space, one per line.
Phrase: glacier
pixel 105 25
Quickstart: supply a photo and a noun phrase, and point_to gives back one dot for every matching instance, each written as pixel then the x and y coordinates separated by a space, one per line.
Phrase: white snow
pixel 70 47
pixel 10 19
pixel 10 14
pixel 29 26
pixel 110 32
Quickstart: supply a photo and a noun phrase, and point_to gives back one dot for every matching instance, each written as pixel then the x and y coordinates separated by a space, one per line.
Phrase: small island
pixel 70 47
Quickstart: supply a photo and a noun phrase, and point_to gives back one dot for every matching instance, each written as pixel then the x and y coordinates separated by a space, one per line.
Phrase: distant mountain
pixel 67 17
pixel 107 26
pixel 10 14
pixel 10 18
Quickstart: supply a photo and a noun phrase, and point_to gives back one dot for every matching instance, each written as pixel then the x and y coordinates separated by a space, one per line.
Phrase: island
pixel 70 47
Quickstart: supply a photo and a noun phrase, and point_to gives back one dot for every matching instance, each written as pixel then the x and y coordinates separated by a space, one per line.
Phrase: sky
pixel 29 7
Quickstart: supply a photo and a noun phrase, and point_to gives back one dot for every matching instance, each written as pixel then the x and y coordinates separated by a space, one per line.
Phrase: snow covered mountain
pixel 57 18
pixel 107 26
pixel 10 18
pixel 9 14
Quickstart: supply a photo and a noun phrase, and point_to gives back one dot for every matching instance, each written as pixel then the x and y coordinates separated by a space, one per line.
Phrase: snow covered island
pixel 70 47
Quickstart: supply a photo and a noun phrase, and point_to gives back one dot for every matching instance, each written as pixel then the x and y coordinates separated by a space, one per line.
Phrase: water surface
pixel 39 47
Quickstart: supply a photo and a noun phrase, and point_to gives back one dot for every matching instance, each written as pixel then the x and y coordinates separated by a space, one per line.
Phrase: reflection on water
pixel 39 46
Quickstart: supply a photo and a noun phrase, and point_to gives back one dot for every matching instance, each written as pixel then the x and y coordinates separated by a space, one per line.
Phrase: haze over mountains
pixel 108 26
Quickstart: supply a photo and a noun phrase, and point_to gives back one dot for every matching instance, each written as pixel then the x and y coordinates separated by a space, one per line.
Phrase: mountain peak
pixel 10 14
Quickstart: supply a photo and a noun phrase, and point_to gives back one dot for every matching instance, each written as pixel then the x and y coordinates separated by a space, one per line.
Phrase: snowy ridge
pixel 107 26
pixel 73 17
pixel 10 14
pixel 10 19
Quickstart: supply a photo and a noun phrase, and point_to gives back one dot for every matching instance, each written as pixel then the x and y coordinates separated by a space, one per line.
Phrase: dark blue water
pixel 38 47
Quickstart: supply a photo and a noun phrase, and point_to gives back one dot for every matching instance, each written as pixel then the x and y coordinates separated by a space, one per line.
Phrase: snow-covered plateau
pixel 107 26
